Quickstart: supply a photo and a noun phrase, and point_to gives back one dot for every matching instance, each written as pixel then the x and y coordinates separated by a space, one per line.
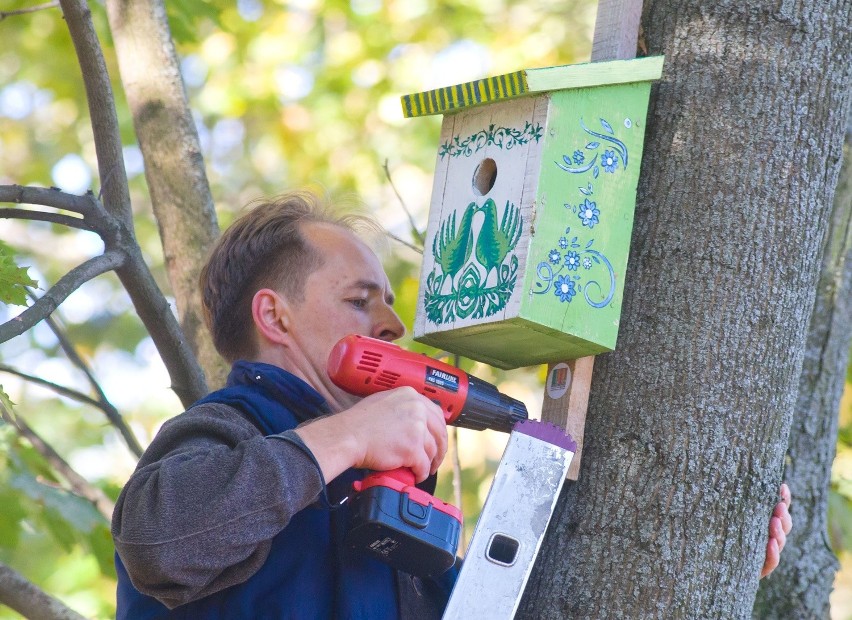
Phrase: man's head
pixel 289 279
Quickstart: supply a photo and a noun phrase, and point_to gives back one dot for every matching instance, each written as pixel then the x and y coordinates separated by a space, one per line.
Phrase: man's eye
pixel 358 303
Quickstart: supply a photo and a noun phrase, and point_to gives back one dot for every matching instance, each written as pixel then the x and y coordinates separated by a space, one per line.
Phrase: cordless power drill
pixel 392 519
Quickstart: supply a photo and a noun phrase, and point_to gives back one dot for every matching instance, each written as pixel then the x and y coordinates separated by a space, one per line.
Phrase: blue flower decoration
pixel 572 261
pixel 609 161
pixel 563 242
pixel 589 213
pixel 554 256
pixel 564 288
pixel 587 263
pixel 579 157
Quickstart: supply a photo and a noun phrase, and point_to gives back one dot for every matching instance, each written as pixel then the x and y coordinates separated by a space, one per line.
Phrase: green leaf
pixel 100 542
pixel 13 279
pixel 5 400
pixel 11 516
pixel 60 504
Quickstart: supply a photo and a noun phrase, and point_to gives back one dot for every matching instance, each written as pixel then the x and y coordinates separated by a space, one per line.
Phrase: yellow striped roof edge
pixel 530 81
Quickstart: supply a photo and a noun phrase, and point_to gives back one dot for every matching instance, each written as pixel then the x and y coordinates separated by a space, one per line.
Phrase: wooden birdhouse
pixel 532 210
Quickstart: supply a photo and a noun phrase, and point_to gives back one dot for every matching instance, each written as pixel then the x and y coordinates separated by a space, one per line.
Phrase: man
pixel 235 509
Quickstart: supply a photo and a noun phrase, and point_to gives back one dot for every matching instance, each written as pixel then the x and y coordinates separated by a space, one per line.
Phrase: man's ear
pixel 271 315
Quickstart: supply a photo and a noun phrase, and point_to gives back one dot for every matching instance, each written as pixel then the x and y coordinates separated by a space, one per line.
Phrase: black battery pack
pixel 389 525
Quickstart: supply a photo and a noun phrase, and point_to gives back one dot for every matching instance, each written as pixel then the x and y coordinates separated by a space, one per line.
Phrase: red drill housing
pixel 364 366
pixel 391 519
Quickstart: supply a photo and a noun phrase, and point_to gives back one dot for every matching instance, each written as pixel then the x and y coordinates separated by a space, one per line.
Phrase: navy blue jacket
pixel 308 572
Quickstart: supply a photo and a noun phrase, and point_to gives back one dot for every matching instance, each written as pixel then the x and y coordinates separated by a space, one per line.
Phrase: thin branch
pixel 54 387
pixel 32 9
pixel 22 595
pixel 403 242
pixel 85 205
pixel 414 230
pixel 79 485
pixel 59 292
pixel 102 402
pixel 41 216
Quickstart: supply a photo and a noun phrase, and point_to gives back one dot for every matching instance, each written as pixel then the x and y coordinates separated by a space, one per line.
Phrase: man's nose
pixel 389 327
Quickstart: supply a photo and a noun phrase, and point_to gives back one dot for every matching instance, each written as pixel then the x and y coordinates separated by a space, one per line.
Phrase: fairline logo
pixel 442 379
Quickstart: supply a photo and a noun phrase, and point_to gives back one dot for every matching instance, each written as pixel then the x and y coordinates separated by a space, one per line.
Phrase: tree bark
pixel 118 234
pixel 801 585
pixel 689 416
pixel 174 167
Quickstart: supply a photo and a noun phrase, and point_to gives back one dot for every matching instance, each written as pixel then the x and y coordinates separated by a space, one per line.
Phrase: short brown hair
pixel 263 248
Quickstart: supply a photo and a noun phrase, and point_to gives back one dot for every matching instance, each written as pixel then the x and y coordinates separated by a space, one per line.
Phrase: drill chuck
pixel 488 408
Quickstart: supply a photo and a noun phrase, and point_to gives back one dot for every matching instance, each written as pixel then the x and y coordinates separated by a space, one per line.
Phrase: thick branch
pixel 85 205
pixel 186 375
pixel 20 594
pixel 79 485
pixel 99 95
pixel 59 292
pixel 174 168
pixel 156 313
pixel 41 216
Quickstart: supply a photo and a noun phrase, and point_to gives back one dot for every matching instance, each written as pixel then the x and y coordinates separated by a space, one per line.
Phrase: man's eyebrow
pixel 374 287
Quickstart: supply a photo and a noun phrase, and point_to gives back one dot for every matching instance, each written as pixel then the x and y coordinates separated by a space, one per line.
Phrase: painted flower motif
pixel 563 242
pixel 554 256
pixel 608 161
pixel 579 157
pixel 564 288
pixel 572 260
pixel 589 213
pixel 587 263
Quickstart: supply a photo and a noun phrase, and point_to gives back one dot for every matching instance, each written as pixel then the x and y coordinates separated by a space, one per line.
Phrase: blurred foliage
pixel 285 94
pixel 840 497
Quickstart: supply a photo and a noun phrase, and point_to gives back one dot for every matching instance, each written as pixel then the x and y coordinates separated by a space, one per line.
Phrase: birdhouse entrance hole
pixel 484 176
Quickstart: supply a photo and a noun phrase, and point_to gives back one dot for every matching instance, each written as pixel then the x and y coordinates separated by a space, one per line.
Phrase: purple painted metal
pixel 546 432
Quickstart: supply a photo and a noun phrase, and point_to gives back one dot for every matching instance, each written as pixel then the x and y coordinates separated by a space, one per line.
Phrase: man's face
pixel 348 294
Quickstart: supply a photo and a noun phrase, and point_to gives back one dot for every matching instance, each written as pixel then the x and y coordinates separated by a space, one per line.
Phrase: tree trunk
pixel 174 168
pixel 801 585
pixel 688 418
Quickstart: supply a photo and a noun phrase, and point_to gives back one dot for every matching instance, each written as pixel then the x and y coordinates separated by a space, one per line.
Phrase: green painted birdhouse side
pixel 532 211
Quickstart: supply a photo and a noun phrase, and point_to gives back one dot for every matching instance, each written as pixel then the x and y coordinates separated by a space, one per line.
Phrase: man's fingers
pixel 421 469
pixel 776 532
pixel 783 514
pixel 773 554
pixel 786 496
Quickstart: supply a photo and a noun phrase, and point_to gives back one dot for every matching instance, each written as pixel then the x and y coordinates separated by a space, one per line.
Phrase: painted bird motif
pixel 495 243
pixel 451 248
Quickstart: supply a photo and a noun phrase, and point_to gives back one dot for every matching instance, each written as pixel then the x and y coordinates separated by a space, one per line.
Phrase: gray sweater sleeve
pixel 207 497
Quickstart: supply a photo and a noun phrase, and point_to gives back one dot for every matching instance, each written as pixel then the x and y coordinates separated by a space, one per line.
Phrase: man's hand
pixel 396 428
pixel 780 525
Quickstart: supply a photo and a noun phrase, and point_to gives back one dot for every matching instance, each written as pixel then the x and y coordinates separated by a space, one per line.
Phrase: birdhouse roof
pixel 528 82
